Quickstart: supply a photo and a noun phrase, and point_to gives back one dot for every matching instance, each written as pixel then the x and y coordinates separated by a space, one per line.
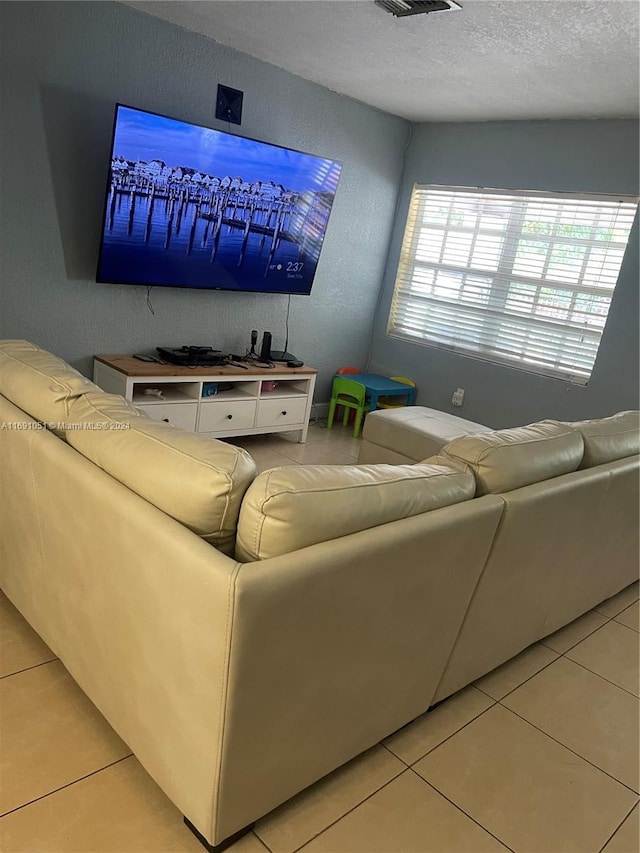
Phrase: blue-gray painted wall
pixel 571 156
pixel 64 66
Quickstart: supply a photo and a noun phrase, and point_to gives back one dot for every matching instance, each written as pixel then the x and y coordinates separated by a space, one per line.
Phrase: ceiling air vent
pixel 401 8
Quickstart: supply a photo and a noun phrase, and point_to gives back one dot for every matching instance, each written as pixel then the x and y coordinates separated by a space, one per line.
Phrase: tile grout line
pixel 390 751
pixel 494 702
pixel 621 624
pixel 260 841
pixel 562 654
pixel 571 648
pixel 607 619
pixel 444 740
pixel 27 668
pixel 323 446
pixel 455 805
pixel 624 610
pixel 461 810
pixel 626 607
pixel 593 672
pixel 353 808
pixel 68 785
pixel 497 701
pixel 568 748
pixel 624 626
pixel 618 827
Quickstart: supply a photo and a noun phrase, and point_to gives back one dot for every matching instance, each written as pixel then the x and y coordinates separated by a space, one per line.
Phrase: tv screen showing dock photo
pixel 189 206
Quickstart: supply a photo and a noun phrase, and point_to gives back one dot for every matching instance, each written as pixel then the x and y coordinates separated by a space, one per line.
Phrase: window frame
pixel 576 346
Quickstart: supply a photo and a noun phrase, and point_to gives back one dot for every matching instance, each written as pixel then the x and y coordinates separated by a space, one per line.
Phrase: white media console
pixel 260 400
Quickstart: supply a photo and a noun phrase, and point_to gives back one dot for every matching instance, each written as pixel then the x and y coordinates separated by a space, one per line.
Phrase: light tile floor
pixel 539 756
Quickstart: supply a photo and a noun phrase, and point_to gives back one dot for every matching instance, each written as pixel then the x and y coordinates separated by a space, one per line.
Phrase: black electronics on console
pixel 267 354
pixel 265 351
pixel 143 356
pixel 193 356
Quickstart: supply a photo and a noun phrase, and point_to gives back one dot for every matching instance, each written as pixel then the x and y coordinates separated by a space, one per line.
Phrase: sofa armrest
pixel 137 607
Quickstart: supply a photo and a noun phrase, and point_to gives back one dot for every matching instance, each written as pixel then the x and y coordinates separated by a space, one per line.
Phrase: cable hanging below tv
pixel 189 206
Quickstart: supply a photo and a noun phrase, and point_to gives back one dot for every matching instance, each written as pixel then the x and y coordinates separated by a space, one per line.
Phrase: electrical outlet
pixel 458 397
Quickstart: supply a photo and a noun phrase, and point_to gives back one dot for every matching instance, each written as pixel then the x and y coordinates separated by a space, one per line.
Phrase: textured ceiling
pixel 496 59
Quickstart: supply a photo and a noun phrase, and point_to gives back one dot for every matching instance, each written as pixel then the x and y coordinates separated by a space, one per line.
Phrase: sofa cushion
pixel 42 385
pixel 416 431
pixel 199 481
pixel 289 508
pixel 608 439
pixel 508 459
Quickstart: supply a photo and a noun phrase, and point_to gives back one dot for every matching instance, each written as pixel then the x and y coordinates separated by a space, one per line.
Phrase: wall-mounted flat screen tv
pixel 188 206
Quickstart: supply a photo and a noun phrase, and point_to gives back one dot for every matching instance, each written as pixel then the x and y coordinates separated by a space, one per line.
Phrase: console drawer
pixel 181 415
pixel 281 412
pixel 222 415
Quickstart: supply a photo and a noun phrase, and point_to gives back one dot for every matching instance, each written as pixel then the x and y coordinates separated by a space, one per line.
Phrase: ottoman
pixel 410 434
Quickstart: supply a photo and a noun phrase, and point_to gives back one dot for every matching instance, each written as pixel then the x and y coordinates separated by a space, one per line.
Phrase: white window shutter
pixel 522 279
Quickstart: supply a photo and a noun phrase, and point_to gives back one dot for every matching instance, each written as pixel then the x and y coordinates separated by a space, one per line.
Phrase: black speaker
pixel 229 104
pixel 265 352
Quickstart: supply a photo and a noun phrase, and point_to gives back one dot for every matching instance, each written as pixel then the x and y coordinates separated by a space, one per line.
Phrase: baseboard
pixel 319 410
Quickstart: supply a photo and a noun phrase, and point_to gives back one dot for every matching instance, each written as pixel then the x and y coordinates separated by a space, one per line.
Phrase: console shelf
pixel 168 393
pixel 215 401
pixel 241 391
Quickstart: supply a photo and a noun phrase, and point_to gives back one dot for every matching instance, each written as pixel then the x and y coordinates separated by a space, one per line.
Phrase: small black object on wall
pixel 229 104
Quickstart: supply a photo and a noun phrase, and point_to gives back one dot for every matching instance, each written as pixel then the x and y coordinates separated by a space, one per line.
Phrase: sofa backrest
pixel 509 459
pixel 285 509
pixel 359 626
pixel 39 383
pixel 197 480
pixel 560 527
pixel 563 546
pixel 609 439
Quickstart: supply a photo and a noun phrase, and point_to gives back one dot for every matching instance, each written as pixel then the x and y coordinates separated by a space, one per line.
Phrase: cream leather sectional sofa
pixel 246 635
